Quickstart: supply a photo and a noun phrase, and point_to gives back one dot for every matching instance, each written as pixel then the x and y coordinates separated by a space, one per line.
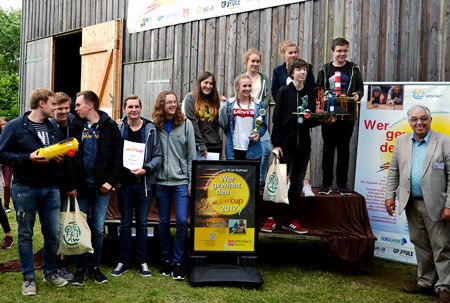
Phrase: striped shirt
pixel 42 132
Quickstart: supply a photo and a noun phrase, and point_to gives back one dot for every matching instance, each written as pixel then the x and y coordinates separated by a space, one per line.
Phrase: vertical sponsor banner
pixel 149 14
pixel 223 214
pixel 383 118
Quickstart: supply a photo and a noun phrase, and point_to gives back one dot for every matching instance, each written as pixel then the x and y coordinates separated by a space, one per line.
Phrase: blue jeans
pixel 95 205
pixel 181 199
pixel 266 150
pixel 133 195
pixel 27 201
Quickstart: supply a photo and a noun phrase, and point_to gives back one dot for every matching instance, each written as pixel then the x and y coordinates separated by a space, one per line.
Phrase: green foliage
pixel 10 24
pixel 9 96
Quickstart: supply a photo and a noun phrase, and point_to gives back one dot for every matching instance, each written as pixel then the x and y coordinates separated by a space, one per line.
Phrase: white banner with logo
pixel 383 118
pixel 149 14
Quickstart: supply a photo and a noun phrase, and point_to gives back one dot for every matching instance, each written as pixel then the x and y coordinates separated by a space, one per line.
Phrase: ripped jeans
pixel 27 201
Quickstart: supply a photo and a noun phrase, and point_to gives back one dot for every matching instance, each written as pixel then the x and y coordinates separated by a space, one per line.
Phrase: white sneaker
pixel 307 190
pixel 55 279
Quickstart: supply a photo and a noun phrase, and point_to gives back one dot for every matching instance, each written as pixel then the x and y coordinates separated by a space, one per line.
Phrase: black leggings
pixel 4 220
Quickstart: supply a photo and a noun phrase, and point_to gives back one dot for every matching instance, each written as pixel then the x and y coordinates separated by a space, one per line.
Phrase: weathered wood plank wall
pixel 406 40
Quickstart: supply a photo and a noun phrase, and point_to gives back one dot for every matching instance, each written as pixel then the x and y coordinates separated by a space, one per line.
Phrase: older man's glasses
pixel 415 120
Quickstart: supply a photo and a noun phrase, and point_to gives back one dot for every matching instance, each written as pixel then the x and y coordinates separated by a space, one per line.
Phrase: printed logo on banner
pixel 230 3
pixel 173 15
pixel 401 241
pixel 205 9
pixel 144 21
pixel 185 13
pixel 403 252
pixel 418 93
pixel 379 249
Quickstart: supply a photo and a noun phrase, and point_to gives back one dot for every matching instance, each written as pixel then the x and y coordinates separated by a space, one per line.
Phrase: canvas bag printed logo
pixel 72 233
pixel 276 189
pixel 273 182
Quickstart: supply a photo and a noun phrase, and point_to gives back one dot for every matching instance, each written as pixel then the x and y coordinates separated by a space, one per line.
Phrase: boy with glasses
pixel 338 134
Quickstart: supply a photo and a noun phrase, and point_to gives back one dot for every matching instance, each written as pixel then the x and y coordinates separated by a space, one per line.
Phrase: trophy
pixel 258 122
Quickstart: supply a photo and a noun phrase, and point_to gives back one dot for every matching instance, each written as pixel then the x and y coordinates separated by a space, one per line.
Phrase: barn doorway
pixel 67 64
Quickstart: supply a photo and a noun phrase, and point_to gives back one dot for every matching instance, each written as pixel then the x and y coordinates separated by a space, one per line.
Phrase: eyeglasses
pixel 171 102
pixel 415 120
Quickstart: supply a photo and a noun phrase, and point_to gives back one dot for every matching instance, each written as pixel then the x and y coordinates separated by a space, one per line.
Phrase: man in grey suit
pixel 420 176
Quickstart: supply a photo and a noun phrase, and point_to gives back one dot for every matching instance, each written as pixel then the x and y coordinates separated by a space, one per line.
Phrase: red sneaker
pixel 7 242
pixel 295 226
pixel 269 226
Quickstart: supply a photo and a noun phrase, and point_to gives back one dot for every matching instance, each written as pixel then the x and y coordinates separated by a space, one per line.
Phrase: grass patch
pixel 294 270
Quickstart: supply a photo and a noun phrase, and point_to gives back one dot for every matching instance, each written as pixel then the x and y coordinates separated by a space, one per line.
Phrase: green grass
pixel 301 270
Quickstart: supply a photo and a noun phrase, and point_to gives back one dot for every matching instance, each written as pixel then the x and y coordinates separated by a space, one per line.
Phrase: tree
pixel 10 24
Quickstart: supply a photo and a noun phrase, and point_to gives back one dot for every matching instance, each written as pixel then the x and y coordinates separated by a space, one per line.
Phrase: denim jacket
pixel 226 122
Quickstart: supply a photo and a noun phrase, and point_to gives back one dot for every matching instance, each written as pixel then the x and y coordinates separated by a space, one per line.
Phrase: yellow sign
pixel 228 193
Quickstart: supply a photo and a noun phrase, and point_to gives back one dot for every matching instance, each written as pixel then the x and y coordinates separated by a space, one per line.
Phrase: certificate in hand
pixel 133 154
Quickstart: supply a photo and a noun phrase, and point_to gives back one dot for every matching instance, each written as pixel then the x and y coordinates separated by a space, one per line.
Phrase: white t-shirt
pixel 256 88
pixel 243 125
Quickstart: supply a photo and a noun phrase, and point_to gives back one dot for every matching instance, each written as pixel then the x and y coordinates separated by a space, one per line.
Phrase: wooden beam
pixel 97 48
pixel 107 67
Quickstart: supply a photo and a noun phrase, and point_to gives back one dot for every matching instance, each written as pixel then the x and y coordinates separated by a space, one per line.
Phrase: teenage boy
pixel 93 172
pixel 291 140
pixel 35 185
pixel 337 135
pixel 135 191
pixel 62 118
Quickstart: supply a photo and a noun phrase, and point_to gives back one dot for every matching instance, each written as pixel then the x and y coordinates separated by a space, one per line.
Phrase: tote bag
pixel 276 188
pixel 74 232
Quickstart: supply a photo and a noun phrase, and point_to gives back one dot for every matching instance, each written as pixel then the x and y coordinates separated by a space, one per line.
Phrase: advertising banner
pixel 383 118
pixel 223 214
pixel 149 14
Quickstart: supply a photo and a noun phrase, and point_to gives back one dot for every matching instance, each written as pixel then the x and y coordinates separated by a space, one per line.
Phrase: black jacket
pixel 109 155
pixel 286 129
pixel 18 140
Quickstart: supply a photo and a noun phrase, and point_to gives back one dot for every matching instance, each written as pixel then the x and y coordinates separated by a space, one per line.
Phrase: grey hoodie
pixel 179 151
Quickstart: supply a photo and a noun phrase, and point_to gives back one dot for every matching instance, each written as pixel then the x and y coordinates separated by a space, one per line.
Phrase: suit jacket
pixel 435 175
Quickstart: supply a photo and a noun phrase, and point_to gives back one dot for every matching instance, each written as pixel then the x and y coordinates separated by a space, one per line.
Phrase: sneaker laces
pixel 144 267
pixel 28 282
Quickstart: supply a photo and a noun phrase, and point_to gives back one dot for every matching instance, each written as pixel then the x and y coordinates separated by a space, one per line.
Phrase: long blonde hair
pixel 237 82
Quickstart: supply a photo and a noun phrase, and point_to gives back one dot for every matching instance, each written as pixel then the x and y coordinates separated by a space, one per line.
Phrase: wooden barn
pixel 72 45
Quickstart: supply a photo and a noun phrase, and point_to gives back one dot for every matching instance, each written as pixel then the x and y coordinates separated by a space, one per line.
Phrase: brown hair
pixel 90 96
pixel 158 111
pixel 338 42
pixel 40 94
pixel 61 98
pixel 252 51
pixel 297 63
pixel 283 46
pixel 212 99
pixel 237 82
pixel 131 97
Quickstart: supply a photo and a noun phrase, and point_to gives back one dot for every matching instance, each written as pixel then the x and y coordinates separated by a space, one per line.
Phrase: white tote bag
pixel 74 232
pixel 276 188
